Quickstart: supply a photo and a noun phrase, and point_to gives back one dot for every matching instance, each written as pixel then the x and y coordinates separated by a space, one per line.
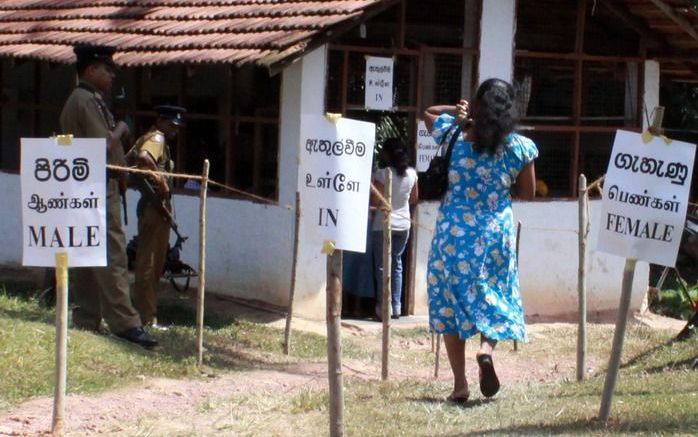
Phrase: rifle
pixel 150 194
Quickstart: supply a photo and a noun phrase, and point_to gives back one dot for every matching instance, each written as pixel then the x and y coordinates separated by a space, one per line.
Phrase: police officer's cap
pixel 88 54
pixel 174 114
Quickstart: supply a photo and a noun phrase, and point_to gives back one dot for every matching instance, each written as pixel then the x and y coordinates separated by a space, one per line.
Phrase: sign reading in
pixel 63 201
pixel 379 83
pixel 645 198
pixel 426 147
pixel 335 179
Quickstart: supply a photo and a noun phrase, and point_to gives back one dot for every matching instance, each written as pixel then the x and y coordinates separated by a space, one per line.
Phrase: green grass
pixel 95 362
pixel 656 394
pixel 99 362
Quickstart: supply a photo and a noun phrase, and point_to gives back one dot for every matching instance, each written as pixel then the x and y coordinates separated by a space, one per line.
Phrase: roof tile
pixel 149 32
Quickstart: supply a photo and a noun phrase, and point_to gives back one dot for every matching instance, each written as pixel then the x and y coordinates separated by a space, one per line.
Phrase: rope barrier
pixel 385 207
pixel 198 178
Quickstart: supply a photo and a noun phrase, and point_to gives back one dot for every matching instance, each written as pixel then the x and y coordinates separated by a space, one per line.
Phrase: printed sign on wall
pixel 426 147
pixel 63 201
pixel 645 198
pixel 379 83
pixel 335 179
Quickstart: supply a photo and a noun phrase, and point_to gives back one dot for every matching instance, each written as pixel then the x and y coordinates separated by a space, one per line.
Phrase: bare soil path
pixel 180 404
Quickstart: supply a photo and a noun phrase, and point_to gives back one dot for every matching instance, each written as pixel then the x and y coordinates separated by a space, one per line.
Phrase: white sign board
pixel 63 201
pixel 645 198
pixel 335 179
pixel 426 147
pixel 379 83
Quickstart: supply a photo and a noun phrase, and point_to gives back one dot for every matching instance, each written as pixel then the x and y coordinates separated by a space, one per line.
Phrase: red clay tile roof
pixel 149 32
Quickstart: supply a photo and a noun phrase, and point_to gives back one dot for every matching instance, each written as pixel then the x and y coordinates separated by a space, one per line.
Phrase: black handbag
pixel 433 183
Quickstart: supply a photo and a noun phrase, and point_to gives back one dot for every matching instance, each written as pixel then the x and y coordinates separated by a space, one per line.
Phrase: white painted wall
pixel 497 28
pixel 249 245
pixel 303 92
pixel 10 220
pixel 548 261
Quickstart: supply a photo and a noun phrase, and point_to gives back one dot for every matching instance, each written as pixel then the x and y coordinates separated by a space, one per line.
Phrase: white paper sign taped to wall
pixel 335 179
pixel 64 201
pixel 645 198
pixel 379 83
pixel 426 147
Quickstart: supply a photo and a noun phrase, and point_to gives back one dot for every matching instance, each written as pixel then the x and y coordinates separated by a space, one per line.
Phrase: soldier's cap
pixel 87 54
pixel 174 114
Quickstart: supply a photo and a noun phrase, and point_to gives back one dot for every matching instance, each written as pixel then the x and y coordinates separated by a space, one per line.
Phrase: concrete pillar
pixel 497 29
pixel 302 92
pixel 651 91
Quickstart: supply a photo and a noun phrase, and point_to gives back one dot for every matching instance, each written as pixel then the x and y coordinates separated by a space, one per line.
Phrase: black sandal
pixel 489 383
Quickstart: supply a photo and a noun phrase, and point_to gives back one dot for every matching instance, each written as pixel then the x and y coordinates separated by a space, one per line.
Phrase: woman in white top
pixel 404 193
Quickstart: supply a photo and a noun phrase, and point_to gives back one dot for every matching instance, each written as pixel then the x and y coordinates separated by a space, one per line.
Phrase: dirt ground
pixel 177 403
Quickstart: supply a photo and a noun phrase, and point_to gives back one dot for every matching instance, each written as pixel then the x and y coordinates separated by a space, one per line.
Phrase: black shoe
pixel 139 336
pixel 395 316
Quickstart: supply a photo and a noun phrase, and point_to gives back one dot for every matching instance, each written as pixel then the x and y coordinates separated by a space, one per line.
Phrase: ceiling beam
pixel 683 23
pixel 640 26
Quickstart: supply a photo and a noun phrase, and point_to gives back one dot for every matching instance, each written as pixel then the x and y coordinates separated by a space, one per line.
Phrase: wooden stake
pixel 437 355
pixel 581 279
pixel 292 291
pixel 334 343
pixel 518 238
pixel 618 335
pixel 202 266
pixel 61 343
pixel 387 273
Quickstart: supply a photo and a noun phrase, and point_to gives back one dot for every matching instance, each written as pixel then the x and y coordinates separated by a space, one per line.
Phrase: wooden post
pixel 202 266
pixel 437 355
pixel 518 239
pixel 334 343
pixel 61 343
pixel 387 273
pixel 618 335
pixel 292 291
pixel 581 279
pixel 622 320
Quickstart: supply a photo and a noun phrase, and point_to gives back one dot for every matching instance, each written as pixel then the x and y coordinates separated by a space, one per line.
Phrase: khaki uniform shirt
pixel 86 115
pixel 154 143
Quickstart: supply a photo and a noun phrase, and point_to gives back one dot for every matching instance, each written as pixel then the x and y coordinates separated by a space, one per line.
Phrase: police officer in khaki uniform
pixel 103 291
pixel 152 152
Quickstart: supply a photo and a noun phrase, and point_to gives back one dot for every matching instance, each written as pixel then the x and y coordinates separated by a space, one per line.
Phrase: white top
pixel 402 187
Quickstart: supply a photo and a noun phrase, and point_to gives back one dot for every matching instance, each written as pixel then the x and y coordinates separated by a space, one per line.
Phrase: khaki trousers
pixel 153 239
pixel 103 291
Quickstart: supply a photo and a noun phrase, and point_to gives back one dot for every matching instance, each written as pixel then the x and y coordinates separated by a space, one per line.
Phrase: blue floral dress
pixel 473 278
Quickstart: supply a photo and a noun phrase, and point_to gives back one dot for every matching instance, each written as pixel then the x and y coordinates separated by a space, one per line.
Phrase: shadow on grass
pixel 470 403
pixel 673 365
pixel 646 354
pixel 594 426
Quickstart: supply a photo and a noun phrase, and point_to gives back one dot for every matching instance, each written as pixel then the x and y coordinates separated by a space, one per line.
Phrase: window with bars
pixel 575 87
pixel 232 116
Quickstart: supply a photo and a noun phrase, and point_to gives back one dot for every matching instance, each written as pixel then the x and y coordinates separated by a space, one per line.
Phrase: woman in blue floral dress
pixel 473 280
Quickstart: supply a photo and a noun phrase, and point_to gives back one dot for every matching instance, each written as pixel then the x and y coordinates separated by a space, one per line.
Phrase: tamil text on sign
pixel 379 83
pixel 645 198
pixel 63 201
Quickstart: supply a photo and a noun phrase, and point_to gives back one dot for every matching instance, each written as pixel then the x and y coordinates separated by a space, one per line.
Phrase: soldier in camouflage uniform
pixel 152 152
pixel 103 291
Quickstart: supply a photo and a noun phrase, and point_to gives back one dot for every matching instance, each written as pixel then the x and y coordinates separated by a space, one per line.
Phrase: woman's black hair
pixel 494 118
pixel 395 155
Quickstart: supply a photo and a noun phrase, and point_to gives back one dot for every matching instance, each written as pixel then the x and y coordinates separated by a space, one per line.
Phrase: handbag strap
pixel 454 137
